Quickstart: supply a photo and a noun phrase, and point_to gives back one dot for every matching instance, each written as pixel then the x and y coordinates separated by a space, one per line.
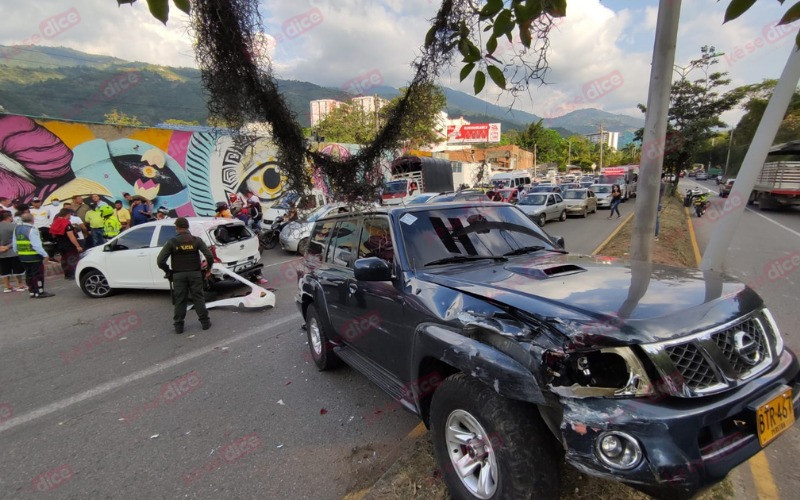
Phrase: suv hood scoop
pixel 547 271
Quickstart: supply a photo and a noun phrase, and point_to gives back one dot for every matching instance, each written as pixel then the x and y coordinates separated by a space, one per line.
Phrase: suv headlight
pixel 775 332
pixel 609 372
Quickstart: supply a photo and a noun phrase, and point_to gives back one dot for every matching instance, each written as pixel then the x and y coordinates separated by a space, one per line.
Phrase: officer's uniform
pixel 187 278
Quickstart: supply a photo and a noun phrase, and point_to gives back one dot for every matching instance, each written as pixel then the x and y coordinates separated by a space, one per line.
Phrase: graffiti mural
pixel 186 172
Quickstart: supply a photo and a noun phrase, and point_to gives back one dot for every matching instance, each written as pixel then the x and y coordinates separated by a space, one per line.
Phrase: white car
pixel 603 194
pixel 129 260
pixel 542 207
pixel 294 235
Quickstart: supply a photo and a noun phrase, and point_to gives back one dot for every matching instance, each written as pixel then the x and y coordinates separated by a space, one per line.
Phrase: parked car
pixel 294 235
pixel 509 195
pixel 421 198
pixel 129 260
pixel 580 202
pixel 603 194
pixel 725 188
pixel 519 357
pixel 542 207
pixel 701 176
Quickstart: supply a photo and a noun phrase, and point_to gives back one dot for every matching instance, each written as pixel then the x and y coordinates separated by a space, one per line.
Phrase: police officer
pixel 186 276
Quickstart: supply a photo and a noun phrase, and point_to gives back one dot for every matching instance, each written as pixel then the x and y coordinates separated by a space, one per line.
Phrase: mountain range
pixel 59 82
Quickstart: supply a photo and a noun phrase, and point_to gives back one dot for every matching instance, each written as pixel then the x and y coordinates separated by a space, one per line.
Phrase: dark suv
pixel 516 354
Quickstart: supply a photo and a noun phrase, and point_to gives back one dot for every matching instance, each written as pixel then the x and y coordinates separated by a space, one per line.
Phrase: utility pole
pixel 535 167
pixel 655 130
pixel 728 158
pixel 569 152
pixel 720 241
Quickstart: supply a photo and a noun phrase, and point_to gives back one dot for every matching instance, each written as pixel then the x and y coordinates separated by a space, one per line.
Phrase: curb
pixel 697 257
pixel 613 233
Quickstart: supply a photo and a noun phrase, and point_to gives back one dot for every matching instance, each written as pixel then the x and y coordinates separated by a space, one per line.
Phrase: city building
pixel 320 109
pixel 611 139
pixel 368 103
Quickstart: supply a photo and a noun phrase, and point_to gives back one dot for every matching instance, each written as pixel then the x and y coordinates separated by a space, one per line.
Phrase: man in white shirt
pixel 41 221
pixel 53 208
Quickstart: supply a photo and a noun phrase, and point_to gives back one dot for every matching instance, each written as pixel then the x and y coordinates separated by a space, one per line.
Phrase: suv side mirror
pixel 372 269
pixel 108 248
pixel 559 240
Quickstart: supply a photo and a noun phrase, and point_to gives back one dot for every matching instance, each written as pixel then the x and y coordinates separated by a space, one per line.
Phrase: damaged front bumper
pixel 687 444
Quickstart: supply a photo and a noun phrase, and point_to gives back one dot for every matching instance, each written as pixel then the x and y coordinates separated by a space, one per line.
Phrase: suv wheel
pixel 95 285
pixel 319 342
pixel 563 216
pixel 542 220
pixel 489 446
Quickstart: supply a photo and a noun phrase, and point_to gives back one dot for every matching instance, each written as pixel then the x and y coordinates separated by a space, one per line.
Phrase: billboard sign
pixel 473 133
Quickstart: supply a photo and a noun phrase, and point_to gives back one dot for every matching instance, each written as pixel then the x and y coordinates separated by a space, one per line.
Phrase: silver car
pixel 603 194
pixel 294 235
pixel 580 202
pixel 542 207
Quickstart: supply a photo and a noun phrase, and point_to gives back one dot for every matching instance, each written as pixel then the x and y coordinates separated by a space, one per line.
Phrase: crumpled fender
pixel 508 377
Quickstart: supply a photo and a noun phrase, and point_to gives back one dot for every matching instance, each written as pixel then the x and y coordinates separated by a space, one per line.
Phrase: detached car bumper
pixel 686 444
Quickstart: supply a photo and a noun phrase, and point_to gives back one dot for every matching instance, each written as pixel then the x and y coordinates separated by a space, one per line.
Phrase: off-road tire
pixel 526 454
pixel 322 355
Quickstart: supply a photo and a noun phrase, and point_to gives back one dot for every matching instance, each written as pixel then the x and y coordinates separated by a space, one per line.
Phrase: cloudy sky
pixel 338 42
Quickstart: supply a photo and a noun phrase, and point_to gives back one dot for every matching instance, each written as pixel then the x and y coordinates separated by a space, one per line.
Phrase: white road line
pixel 133 377
pixel 282 262
pixel 775 222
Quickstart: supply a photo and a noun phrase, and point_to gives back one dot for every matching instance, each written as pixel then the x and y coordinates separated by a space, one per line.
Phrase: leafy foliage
pixel 348 124
pixel 160 8
pixel 121 119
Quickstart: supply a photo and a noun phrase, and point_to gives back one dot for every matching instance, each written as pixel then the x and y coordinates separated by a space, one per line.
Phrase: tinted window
pixel 476 231
pixel 319 238
pixel 343 243
pixel 231 233
pixel 165 234
pixel 376 240
pixel 135 238
pixel 558 198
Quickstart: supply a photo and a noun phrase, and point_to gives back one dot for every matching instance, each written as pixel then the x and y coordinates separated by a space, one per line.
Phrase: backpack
pixel 59 227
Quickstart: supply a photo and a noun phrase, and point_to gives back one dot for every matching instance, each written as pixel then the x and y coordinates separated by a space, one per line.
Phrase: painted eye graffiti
pixel 265 181
pixel 147 180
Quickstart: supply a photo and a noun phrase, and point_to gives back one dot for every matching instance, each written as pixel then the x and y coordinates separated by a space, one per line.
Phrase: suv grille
pixel 693 367
pixel 715 360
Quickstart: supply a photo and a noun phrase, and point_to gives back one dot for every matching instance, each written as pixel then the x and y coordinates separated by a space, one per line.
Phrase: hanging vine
pixel 237 74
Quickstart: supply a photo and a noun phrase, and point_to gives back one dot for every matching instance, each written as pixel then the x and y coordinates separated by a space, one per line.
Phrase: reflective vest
pixel 185 253
pixel 25 250
pixel 111 226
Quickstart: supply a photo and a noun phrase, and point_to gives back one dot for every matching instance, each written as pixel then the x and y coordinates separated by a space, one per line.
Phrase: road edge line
pixel 613 233
pixel 697 256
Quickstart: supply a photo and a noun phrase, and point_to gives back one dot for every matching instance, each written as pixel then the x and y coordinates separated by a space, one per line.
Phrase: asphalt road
pixel 99 399
pixel 764 239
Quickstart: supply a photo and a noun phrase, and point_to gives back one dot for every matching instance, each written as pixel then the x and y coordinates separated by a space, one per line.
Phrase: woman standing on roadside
pixel 616 199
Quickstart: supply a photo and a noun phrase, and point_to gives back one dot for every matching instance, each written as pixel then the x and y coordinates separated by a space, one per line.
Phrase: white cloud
pixel 344 39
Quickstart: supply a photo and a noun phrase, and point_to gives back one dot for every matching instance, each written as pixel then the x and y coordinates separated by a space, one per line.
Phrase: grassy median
pixel 416 474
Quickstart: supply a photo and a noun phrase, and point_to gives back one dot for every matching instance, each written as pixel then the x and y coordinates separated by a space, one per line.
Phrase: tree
pixel 160 8
pixel 695 108
pixel 419 126
pixel 347 124
pixel 550 146
pixel 122 120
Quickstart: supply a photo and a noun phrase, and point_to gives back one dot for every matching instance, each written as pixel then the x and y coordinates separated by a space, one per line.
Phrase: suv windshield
pixel 575 194
pixel 482 231
pixel 533 199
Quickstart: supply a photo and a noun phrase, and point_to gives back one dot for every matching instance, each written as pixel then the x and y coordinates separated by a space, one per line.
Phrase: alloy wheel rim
pixel 471 454
pixel 316 336
pixel 97 285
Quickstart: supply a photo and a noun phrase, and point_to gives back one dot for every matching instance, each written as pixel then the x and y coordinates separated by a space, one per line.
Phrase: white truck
pixel 625 176
pixel 416 174
pixel 778 184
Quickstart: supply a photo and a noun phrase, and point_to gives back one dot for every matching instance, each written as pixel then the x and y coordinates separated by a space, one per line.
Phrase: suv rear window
pixel 231 233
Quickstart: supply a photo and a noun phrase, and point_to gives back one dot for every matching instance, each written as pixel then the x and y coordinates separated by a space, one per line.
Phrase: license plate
pixel 774 416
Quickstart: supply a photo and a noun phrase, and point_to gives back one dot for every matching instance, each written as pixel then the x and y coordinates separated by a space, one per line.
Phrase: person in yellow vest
pixel 111 225
pixel 95 222
pixel 28 246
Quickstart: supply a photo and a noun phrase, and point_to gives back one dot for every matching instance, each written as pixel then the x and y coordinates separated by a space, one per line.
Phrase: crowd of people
pixel 247 209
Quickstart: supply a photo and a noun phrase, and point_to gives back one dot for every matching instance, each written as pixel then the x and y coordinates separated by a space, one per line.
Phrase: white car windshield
pixel 601 189
pixel 534 199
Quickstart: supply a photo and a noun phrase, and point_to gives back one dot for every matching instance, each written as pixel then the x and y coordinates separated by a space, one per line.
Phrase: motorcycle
pixel 269 238
pixel 700 204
